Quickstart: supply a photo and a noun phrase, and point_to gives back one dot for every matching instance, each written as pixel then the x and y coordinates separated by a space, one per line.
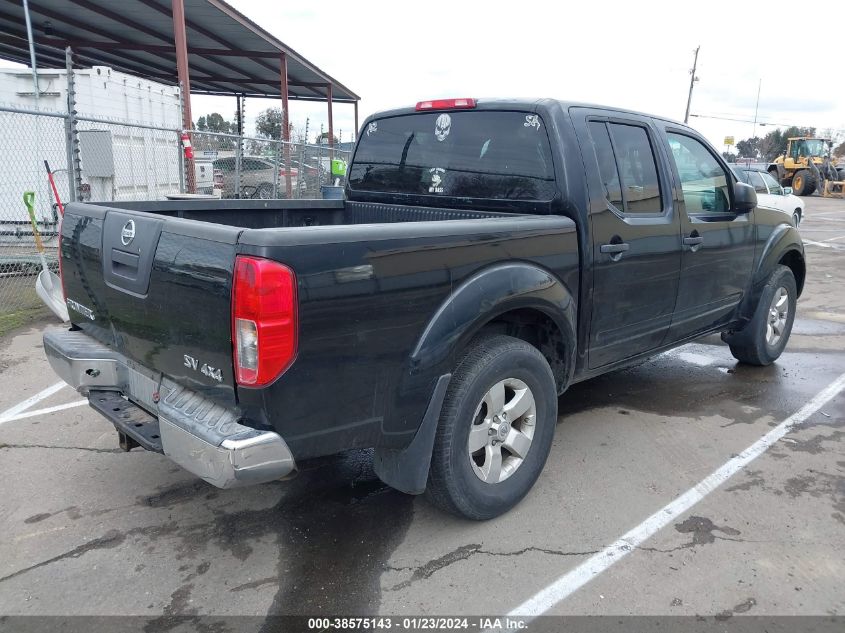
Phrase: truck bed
pixel 261 214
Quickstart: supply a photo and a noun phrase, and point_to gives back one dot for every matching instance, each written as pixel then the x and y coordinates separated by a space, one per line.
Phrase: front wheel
pixel 764 338
pixel 495 429
pixel 803 183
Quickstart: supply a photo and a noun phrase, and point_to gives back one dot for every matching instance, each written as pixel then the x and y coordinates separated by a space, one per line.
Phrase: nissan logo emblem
pixel 127 233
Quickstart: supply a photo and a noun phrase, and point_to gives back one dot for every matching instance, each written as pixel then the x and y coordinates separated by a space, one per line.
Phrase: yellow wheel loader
pixel 801 167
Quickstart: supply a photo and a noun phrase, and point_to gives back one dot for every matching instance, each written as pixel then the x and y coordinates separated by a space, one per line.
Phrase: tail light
pixel 447 104
pixel 264 320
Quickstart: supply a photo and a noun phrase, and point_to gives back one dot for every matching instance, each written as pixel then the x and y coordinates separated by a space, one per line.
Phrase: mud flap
pixel 406 469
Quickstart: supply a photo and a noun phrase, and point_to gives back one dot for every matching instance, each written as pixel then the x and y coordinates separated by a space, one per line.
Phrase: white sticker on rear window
pixel 436 180
pixel 372 128
pixel 532 120
pixel 442 126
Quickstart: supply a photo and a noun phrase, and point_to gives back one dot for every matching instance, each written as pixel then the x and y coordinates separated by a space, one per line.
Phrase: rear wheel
pixel 764 338
pixel 495 429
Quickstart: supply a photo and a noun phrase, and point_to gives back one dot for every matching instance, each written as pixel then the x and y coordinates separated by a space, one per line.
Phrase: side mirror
pixel 745 198
pixel 787 191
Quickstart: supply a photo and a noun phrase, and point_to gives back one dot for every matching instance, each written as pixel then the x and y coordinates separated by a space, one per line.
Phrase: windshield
pixel 812 147
pixel 494 155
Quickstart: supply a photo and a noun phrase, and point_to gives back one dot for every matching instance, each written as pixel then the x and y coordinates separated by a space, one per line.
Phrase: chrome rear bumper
pixel 203 437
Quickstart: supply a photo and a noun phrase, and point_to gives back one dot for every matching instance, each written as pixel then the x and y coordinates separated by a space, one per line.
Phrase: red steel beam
pixel 283 65
pixel 180 40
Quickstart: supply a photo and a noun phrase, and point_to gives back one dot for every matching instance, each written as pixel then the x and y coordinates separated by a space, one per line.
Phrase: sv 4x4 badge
pixel 207 370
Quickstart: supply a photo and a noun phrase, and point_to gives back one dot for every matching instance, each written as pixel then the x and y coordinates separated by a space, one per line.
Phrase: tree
pixel 269 123
pixel 772 145
pixel 323 139
pixel 729 156
pixel 749 147
pixel 214 122
pixel 839 150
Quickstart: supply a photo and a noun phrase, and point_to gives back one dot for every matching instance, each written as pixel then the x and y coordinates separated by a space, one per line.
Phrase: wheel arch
pixel 794 260
pixel 519 299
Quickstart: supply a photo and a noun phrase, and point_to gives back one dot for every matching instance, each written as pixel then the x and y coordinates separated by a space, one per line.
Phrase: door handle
pixel 694 241
pixel 614 248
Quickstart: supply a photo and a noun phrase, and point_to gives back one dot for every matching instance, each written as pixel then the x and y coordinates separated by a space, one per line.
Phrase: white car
pixel 770 194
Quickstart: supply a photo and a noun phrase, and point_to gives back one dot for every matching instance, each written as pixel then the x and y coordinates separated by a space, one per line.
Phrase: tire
pixel 754 345
pixel 774 174
pixel 456 481
pixel 841 175
pixel 796 217
pixel 803 183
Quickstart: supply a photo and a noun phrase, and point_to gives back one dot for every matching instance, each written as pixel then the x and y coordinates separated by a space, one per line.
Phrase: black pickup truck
pixel 488 255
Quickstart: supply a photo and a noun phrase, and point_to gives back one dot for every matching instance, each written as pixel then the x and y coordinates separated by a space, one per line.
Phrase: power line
pixel 760 123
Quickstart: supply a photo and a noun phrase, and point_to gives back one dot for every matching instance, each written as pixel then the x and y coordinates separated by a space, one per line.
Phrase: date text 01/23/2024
pixel 433 623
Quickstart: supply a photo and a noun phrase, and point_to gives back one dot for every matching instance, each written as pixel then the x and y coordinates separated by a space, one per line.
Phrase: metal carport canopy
pixel 228 54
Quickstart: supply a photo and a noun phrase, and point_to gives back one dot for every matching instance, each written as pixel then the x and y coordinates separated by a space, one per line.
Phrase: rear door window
pixel 473 154
pixel 627 167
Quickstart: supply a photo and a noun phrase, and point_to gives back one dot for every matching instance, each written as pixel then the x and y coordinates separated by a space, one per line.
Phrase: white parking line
pixel 570 582
pixel 32 414
pixel 814 243
pixel 38 397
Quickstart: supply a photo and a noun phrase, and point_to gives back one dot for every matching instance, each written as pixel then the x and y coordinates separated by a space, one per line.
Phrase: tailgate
pixel 156 289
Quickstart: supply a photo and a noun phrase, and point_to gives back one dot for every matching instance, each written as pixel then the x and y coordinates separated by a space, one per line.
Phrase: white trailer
pixel 131 151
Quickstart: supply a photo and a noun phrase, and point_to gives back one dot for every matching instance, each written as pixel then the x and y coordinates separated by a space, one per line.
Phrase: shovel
pixel 47 286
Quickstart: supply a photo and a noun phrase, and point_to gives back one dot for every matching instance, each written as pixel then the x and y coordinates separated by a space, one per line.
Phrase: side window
pixel 757 182
pixel 607 164
pixel 637 169
pixel 773 185
pixel 705 184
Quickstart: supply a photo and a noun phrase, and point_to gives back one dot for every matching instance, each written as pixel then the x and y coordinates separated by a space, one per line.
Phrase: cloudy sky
pixel 630 54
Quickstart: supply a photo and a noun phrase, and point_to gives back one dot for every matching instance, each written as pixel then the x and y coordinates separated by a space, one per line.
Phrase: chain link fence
pixel 27 139
pixel 234 166
pixel 103 160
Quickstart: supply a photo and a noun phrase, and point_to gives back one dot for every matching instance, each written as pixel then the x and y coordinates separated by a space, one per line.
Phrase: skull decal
pixel 442 126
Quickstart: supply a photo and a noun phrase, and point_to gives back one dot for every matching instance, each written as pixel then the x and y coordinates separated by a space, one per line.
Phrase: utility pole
pixel 756 106
pixel 692 81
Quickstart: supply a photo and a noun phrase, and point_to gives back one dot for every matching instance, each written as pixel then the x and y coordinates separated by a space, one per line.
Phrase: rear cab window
pixel 627 167
pixel 490 154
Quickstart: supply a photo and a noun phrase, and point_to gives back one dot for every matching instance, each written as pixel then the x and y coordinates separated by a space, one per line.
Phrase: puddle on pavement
pixel 336 526
pixel 702 380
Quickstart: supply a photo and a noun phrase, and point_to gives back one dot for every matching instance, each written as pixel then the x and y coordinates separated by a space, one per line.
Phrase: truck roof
pixel 498 103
